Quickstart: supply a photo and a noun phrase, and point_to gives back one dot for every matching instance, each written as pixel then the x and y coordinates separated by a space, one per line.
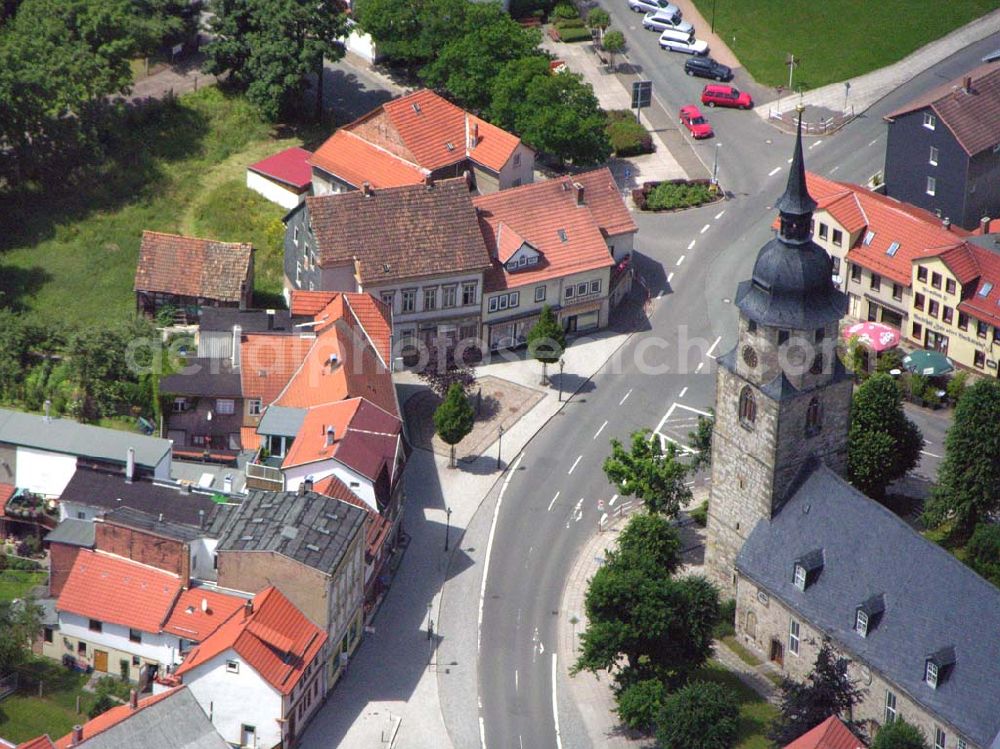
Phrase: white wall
pixel 274 191
pixel 524 171
pixel 365 489
pixel 361 44
pixel 43 472
pixel 621 245
pixel 162 469
pixel 232 700
pixel 202 554
pixel 74 510
pixel 160 647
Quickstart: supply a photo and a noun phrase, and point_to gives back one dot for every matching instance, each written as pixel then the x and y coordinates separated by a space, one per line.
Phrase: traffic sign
pixel 642 94
pixel 600 505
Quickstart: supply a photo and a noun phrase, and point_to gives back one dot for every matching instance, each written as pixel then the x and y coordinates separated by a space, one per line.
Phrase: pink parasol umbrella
pixel 875 335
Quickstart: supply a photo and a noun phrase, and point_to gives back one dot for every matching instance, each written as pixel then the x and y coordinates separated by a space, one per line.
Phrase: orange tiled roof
pixel 193 622
pixel 249 439
pixel 113 717
pixel 919 233
pixel 830 734
pixel 275 639
pixel 542 213
pixel 357 161
pixel 605 202
pixel 114 589
pixel 420 127
pixel 310 303
pixel 978 269
pixel 189 266
pixel 42 742
pixel 375 318
pixel 267 362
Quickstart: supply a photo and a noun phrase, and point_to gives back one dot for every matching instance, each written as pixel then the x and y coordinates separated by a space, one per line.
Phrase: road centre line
pixel 719 214
pixel 680 260
pixel 552 502
pixel 873 142
pixel 515 679
pixel 698 368
pixel 691 245
pixel 489 549
pixel 601 429
pixel 622 401
pixel 705 228
pixel 573 467
pixel 555 703
pixel 712 348
pixel 670 278
pixel 683 390
pixel 815 143
pixel 776 170
pixel 931 455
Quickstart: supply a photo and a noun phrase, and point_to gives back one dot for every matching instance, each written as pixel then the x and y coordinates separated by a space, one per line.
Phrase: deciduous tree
pixel 968 487
pixel 700 715
pixel 20 623
pixel 650 473
pixel 883 444
pixel 701 441
pixel 613 43
pixel 828 690
pixel 546 340
pixel 638 705
pixel 454 418
pixel 899 735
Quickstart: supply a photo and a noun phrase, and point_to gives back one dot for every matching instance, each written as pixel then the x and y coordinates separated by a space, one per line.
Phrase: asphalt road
pixel 695 258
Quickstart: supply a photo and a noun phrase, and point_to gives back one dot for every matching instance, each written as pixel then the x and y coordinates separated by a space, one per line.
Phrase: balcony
pixel 265 473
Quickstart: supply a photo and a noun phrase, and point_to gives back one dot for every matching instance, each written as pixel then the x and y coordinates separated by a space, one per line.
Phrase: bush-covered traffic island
pixel 675 194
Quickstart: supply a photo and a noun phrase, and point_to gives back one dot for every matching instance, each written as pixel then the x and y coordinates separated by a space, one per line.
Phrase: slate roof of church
pixel 932 601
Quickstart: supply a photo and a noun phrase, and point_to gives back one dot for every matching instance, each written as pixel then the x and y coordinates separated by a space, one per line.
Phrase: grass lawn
pixel 24 715
pixel 70 259
pixel 16 583
pixel 835 39
pixel 755 713
pixel 745 655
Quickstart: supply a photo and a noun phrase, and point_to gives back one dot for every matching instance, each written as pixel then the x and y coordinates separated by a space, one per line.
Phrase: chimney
pixel 946 223
pixel 428 181
pixel 129 465
pixel 270 319
pixel 467 176
pixel 967 84
pixel 366 189
pixel 984 225
pixel 204 605
pixel 48 410
pixel 77 736
pixel 579 193
pixel 248 607
pixel 474 135
pixel 302 489
pixel 201 518
pixel 330 434
pixel 133 699
pixel 307 484
pixel 235 360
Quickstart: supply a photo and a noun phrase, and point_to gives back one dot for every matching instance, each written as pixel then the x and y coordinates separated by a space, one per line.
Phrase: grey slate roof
pixel 796 199
pixel 931 601
pixel 176 721
pixel 73 532
pixel 310 528
pixel 130 517
pixel 73 438
pixel 780 388
pixel 205 377
pixel 282 421
pixel 222 320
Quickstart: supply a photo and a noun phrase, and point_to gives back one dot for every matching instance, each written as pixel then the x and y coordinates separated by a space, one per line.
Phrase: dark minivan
pixel 706 67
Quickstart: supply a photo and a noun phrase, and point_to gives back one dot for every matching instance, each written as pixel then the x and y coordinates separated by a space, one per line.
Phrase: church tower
pixel 782 396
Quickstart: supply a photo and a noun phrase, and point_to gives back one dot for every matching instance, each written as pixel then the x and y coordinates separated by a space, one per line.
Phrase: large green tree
pixel 828 690
pixel 270 48
pixel 968 487
pixel 882 444
pixel 413 33
pixel 646 471
pixel 546 340
pixel 701 440
pixel 700 715
pixel 454 418
pixel 20 623
pixel 899 735
pixel 555 113
pixel 982 553
pixel 466 66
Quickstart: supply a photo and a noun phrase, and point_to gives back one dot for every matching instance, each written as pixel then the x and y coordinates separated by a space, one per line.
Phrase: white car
pixel 679 42
pixel 662 20
pixel 651 6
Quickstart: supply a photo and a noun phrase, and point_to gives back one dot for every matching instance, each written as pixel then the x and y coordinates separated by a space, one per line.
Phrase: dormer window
pixel 931 674
pixel 861 623
pixel 937 665
pixel 868 614
pixel 807 569
pixel 799 577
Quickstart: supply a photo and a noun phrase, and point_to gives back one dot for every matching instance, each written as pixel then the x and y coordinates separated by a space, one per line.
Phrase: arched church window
pixel 748 408
pixel 814 417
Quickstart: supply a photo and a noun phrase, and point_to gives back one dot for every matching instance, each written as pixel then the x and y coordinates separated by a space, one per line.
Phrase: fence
pixel 8 685
pixel 788 121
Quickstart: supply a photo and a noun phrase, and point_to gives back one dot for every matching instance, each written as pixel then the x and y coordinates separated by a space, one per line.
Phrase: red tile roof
pixel 117 590
pixel 420 127
pixel 42 742
pixel 113 717
pixel 188 266
pixel 6 493
pixel 200 611
pixel 537 213
pixel 249 439
pixel 310 303
pixel 375 318
pixel 290 167
pixel 972 115
pixel 919 233
pixel 356 161
pixel 399 233
pixel 275 639
pixel 267 362
pixel 830 734
pixel 978 270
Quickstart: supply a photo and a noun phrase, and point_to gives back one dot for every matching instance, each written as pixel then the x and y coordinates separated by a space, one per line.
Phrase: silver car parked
pixel 651 6
pixel 662 20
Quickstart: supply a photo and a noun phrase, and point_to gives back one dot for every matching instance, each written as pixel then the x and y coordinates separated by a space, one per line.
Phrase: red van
pixel 716 94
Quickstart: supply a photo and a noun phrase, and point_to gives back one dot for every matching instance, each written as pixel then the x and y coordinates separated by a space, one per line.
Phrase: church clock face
pixel 750 357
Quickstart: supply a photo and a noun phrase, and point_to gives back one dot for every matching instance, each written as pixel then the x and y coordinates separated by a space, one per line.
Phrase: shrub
pixel 103 704
pixel 629 138
pixel 570 23
pixel 700 514
pixel 889 360
pixel 701 715
pixel 899 735
pixel 669 196
pixel 956 385
pixel 983 551
pixel 726 626
pixel 598 18
pixel 565 11
pixel 639 704
pixel 571 35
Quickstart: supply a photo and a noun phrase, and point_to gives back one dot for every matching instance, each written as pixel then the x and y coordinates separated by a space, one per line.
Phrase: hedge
pixel 672 195
pixel 628 137
pixel 573 34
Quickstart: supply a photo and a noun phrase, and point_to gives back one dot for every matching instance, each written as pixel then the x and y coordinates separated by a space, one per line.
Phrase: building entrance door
pixel 101 660
pixel 777 652
pixel 937 342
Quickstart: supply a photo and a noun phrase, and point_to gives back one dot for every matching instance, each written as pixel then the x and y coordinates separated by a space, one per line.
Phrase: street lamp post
pixel 562 363
pixel 430 623
pixel 447 526
pixel 713 16
pixel 499 444
pixel 715 165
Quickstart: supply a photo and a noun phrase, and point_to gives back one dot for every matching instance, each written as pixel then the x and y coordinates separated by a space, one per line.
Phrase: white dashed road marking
pixel 776 170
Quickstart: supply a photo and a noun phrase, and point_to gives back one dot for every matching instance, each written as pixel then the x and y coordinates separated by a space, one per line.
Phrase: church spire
pixel 796 205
